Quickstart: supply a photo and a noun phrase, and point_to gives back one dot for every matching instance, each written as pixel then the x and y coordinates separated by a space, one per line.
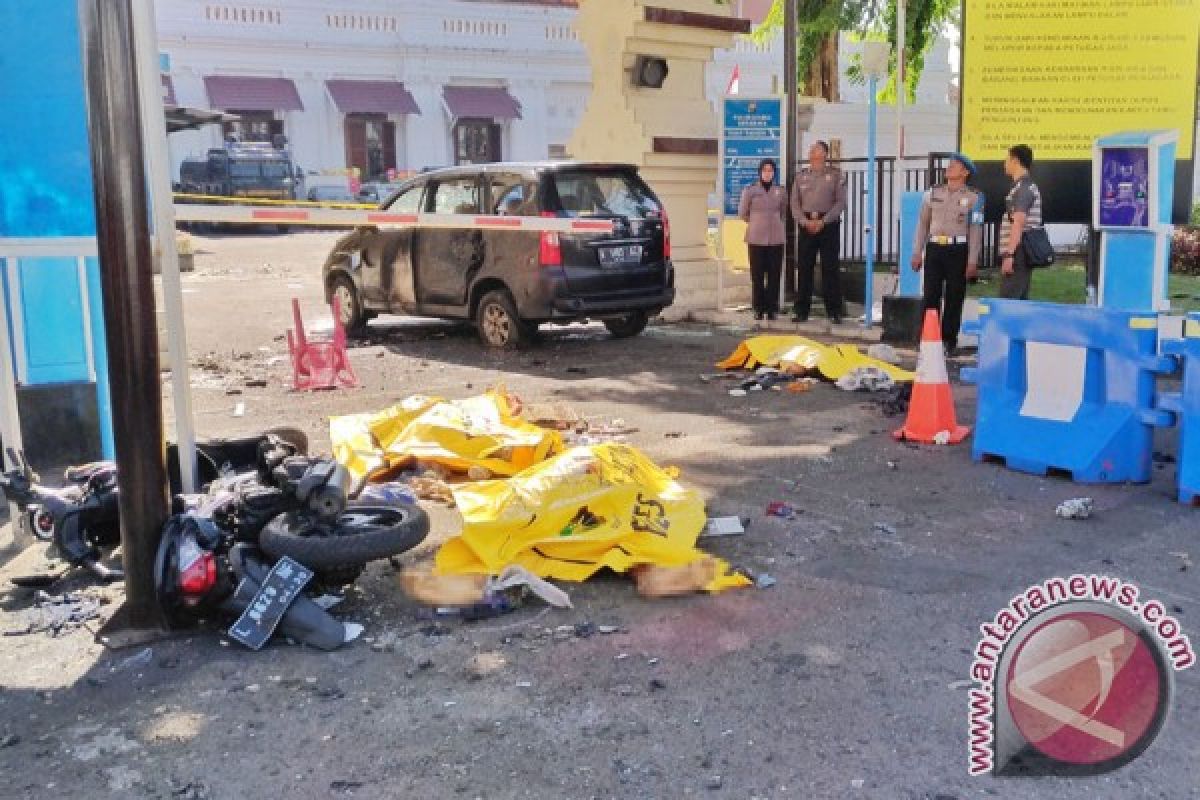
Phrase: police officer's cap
pixel 966 162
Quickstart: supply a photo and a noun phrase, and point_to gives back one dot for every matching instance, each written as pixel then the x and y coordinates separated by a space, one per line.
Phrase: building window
pixel 370 145
pixel 477 141
pixel 254 126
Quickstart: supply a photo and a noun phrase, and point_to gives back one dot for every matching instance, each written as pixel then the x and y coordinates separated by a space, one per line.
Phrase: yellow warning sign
pixel 1056 76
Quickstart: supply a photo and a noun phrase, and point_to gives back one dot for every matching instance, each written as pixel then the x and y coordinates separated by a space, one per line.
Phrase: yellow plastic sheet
pixel 798 354
pixel 592 507
pixel 479 431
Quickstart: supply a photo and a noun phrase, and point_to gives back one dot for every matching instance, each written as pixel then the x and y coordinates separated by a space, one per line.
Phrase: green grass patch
pixel 1066 282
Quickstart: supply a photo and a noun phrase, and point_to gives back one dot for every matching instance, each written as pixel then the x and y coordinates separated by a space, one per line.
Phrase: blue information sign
pixel 752 129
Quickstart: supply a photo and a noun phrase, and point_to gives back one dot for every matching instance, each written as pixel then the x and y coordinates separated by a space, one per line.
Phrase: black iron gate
pixel 916 173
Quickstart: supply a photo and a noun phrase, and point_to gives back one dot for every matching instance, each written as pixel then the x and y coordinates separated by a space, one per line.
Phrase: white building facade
pixel 400 85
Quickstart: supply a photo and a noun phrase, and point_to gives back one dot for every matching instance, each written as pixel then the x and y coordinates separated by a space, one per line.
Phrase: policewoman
pixel 818 200
pixel 948 242
pixel 763 207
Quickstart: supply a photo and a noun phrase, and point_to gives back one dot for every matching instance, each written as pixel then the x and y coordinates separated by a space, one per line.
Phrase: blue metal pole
pixel 869 289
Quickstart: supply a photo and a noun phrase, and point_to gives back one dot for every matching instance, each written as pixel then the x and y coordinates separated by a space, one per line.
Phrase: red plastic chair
pixel 321 363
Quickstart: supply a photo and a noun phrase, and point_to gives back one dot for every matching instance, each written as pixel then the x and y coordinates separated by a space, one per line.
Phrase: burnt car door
pixel 446 259
pixel 381 255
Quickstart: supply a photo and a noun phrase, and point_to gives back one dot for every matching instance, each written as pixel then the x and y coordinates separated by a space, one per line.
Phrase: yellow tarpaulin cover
pixel 796 353
pixel 478 431
pixel 592 507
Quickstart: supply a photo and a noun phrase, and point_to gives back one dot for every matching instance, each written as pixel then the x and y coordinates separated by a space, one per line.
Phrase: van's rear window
pixel 588 193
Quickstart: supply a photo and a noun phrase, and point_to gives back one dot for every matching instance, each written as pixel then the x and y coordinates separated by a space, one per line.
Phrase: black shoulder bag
pixel 1035 242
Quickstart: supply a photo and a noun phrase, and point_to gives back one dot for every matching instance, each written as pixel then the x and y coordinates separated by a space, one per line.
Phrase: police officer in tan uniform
pixel 948 242
pixel 818 200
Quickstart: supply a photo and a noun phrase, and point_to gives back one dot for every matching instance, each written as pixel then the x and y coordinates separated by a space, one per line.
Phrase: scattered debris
pixel 9 740
pixel 239 410
pixel 782 511
pixel 957 685
pixel 714 782
pixel 883 527
pixel 895 402
pixel 136 661
pixel 738 392
pixel 1077 508
pixel 724 526
pixel 393 493
pixel 1185 561
pixel 942 438
pixel 517 577
pixel 764 581
pixel 56 614
pixel 866 379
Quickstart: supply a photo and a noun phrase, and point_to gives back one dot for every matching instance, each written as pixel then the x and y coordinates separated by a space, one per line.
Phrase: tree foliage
pixel 820 22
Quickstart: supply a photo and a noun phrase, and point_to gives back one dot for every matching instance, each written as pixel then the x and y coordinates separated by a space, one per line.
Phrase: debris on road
pixel 1077 508
pixel 723 526
pixel 764 581
pixel 55 614
pixel 866 379
pixel 782 511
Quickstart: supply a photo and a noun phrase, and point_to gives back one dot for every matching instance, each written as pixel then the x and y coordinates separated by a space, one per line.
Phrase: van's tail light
pixel 666 236
pixel 549 247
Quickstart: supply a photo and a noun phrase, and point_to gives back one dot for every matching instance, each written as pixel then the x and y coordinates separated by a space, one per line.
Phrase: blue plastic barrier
pixel 1068 389
pixel 1186 404
pixel 910 215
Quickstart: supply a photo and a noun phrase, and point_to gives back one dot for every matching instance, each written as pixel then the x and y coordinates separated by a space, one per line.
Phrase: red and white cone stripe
pixel 351 218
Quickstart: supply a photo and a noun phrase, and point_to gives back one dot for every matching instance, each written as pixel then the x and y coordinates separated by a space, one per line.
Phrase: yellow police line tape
pixel 263 201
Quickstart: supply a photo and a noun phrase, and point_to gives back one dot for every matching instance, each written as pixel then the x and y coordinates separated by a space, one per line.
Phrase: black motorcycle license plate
pixel 283 583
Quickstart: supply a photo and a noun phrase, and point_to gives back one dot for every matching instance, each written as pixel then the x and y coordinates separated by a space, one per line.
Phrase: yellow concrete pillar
pixel 670 133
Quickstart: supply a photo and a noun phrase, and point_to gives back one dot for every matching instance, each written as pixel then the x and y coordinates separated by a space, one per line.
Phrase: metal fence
pixel 916 174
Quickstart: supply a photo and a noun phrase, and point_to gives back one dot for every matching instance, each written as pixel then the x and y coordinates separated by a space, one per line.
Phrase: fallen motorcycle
pixel 81 519
pixel 262 545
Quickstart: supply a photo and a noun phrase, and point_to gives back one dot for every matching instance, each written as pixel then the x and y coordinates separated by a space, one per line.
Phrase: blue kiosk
pixel 1133 181
pixel 54 396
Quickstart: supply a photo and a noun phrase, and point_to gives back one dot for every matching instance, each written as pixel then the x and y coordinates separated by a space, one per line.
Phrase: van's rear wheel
pixel 628 326
pixel 498 323
pixel 347 304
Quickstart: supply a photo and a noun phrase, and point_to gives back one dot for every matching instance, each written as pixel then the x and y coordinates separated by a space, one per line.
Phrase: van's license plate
pixel 619 256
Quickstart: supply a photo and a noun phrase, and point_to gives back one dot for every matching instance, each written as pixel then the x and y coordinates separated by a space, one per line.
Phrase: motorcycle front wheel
pixel 359 535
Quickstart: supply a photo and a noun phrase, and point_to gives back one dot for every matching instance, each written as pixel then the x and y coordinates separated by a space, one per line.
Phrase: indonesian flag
pixel 735 79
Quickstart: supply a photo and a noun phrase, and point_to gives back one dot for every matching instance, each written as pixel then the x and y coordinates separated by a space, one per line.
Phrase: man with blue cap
pixel 948 243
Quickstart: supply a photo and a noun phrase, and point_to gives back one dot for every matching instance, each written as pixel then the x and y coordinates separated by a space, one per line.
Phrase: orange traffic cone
pixel 931 410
